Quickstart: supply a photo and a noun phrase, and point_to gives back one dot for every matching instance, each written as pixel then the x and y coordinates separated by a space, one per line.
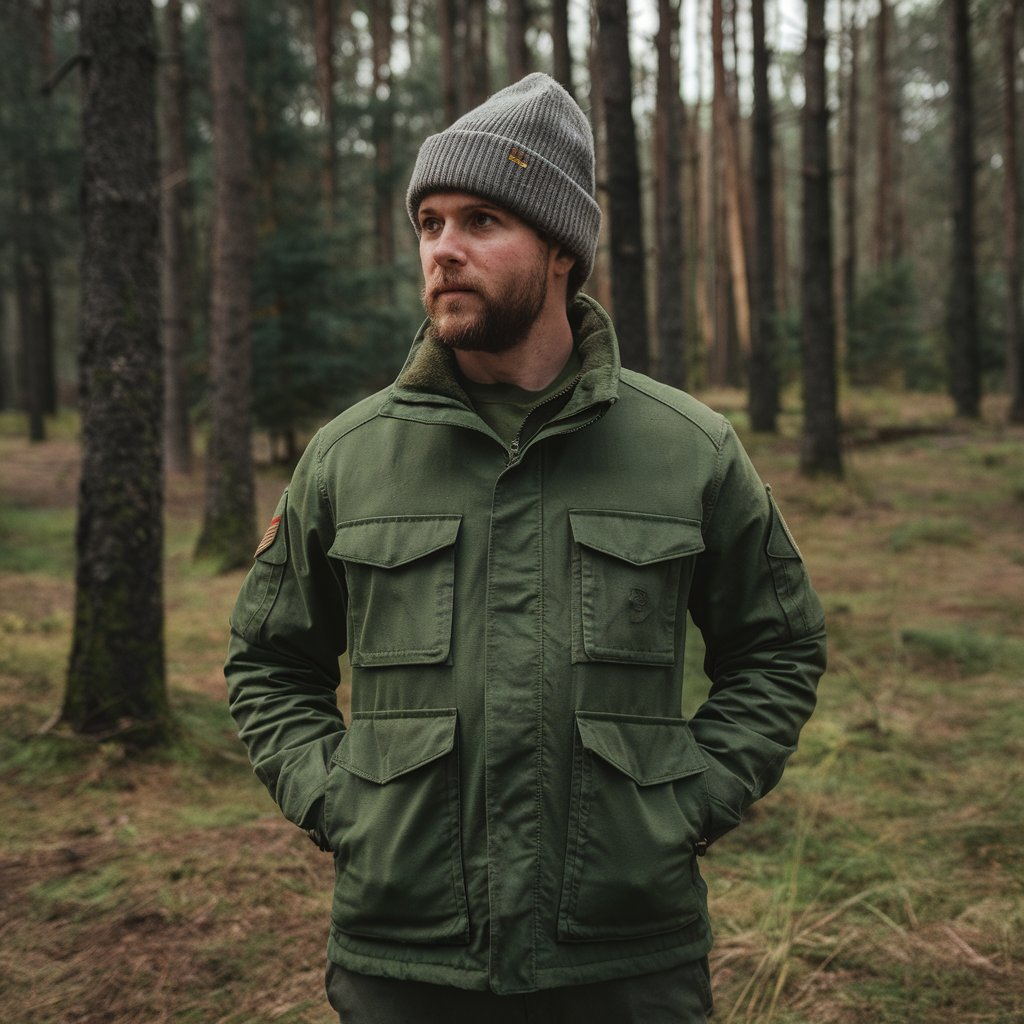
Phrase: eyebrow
pixel 482 206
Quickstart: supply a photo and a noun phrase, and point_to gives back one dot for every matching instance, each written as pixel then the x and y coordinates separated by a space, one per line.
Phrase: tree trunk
pixel 30 225
pixel 852 112
pixel 819 452
pixel 730 185
pixel 701 172
pixel 31 334
pixel 562 55
pixel 763 382
pixel 600 280
pixel 42 210
pixel 669 124
pixel 229 523
pixel 175 283
pixel 965 357
pixel 116 683
pixel 517 51
pixel 884 127
pixel 624 207
pixel 383 179
pixel 477 64
pixel 447 25
pixel 1011 205
pixel 323 31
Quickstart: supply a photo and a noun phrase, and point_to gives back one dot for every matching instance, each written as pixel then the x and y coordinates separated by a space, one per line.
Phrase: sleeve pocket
pixel 800 605
pixel 260 588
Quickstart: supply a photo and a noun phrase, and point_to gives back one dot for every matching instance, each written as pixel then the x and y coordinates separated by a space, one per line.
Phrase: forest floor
pixel 882 882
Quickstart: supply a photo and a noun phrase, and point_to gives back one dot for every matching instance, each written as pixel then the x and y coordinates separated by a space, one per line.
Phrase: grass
pixel 882 882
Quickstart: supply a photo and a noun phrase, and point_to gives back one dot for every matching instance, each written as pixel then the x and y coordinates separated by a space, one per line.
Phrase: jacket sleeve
pixel 287 632
pixel 763 629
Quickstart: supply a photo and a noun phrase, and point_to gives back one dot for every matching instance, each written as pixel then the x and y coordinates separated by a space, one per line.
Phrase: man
pixel 506 541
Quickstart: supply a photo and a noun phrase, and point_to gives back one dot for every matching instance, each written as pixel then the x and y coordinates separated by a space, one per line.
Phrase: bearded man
pixel 507 541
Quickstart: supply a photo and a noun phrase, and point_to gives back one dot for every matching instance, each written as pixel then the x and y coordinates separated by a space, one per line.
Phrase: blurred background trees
pixel 699 111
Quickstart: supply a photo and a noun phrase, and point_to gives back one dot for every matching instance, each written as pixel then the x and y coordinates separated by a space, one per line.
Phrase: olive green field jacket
pixel 517 801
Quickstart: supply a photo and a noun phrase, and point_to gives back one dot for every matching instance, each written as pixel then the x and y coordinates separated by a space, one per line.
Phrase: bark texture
pixel 624 189
pixel 383 130
pixel 116 679
pixel 1011 204
pixel 517 52
pixel 229 529
pixel 732 242
pixel 819 451
pixel 562 55
pixel 323 32
pixel 669 127
pixel 965 354
pixel 763 382
pixel 175 278
pixel 850 162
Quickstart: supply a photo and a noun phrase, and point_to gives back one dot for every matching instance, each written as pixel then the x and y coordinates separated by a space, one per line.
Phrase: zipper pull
pixel 513 450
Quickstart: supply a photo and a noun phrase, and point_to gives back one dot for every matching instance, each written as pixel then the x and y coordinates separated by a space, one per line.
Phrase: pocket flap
pixel 636 537
pixel 380 746
pixel 648 750
pixel 390 541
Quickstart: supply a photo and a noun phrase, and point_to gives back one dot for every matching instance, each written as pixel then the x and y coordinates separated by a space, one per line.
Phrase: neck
pixel 531 364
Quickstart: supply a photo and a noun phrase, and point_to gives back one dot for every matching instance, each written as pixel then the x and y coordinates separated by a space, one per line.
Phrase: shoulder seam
pixel 719 472
pixel 717 442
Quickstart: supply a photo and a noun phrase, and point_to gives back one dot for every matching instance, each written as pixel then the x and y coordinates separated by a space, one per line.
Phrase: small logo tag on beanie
pixel 518 157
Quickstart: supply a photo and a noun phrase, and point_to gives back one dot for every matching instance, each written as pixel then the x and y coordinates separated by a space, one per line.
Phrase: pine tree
pixel 819 451
pixel 116 682
pixel 229 521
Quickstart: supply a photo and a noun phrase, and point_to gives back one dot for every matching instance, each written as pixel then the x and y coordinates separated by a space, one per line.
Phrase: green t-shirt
pixel 506 408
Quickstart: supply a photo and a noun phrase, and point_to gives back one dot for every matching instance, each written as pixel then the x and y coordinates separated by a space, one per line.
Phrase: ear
pixel 562 261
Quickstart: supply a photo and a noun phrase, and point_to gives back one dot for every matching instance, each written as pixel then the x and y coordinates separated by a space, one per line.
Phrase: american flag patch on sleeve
pixel 268 537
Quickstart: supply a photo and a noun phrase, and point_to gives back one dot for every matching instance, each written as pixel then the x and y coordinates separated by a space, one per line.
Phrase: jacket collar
pixel 430 377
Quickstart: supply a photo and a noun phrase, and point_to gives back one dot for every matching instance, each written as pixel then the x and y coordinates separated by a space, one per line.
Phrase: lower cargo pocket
pixel 639 804
pixel 392 812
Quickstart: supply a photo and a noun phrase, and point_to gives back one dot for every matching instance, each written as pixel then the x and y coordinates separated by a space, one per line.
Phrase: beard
pixel 486 321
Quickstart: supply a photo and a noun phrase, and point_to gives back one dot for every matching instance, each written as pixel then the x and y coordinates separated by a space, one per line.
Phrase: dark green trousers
pixel 681 995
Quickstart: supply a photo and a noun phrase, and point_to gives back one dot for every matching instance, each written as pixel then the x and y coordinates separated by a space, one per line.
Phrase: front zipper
pixel 515 445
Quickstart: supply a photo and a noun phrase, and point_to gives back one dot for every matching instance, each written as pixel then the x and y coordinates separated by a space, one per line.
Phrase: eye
pixel 429 225
pixel 482 219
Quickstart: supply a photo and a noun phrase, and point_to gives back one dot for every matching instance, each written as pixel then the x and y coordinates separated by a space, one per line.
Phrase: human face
pixel 485 273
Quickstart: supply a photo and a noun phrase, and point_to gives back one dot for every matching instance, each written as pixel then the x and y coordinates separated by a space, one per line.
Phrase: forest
pixel 811 221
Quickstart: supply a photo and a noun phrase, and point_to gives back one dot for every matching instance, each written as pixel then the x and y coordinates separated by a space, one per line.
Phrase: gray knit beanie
pixel 529 149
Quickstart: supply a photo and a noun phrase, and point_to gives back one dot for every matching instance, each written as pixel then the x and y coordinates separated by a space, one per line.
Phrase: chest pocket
pixel 627 572
pixel 400 572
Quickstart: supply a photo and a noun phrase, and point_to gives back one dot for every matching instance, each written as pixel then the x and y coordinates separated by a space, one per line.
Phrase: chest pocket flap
pixel 636 537
pixel 648 750
pixel 400 572
pixel 390 541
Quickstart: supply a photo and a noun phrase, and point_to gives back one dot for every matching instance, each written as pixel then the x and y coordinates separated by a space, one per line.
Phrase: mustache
pixel 447 280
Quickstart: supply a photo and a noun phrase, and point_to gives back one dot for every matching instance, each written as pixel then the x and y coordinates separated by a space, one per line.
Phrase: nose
pixel 448 249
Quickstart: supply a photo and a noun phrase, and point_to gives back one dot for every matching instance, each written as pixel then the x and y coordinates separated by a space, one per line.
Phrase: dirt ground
pixel 883 881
